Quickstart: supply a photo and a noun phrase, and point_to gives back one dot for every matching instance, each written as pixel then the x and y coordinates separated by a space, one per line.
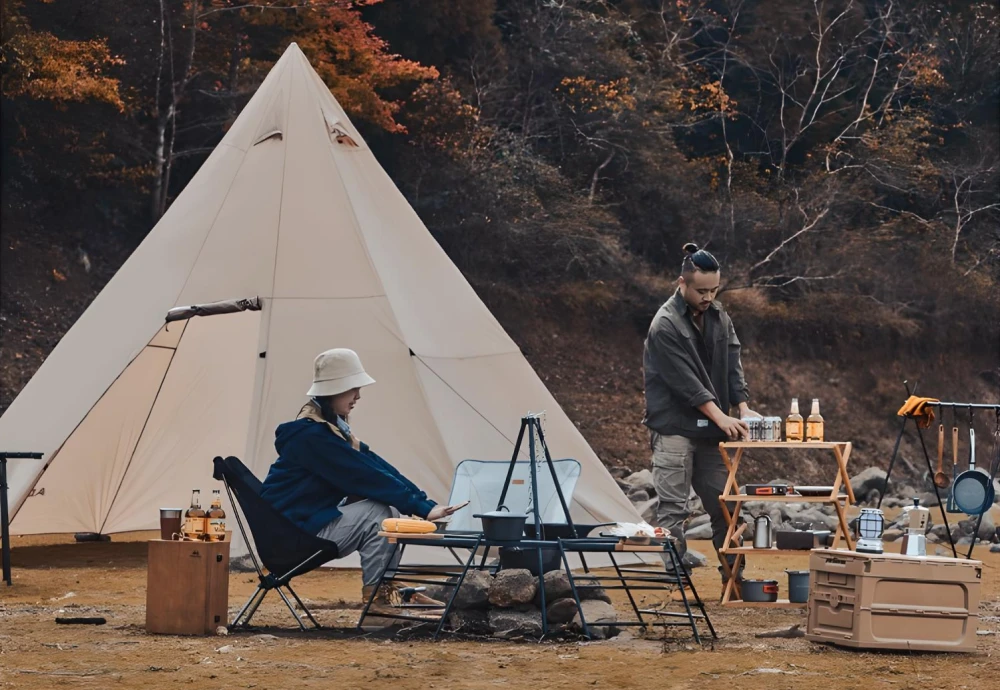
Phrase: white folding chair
pixel 481 482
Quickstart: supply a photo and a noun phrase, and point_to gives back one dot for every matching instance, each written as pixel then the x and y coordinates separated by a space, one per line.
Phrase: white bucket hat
pixel 337 371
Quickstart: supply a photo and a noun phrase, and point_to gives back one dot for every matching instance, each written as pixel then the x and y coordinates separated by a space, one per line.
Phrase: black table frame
pixel 626 579
pixel 4 515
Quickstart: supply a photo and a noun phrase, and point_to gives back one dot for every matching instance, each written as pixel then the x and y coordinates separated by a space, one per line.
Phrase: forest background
pixel 841 158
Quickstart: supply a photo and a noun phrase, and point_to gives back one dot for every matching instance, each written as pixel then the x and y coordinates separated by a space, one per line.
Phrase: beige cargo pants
pixel 679 465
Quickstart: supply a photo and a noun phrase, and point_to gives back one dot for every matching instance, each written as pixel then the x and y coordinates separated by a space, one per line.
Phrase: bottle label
pixel 194 527
pixel 793 430
pixel 814 430
pixel 216 530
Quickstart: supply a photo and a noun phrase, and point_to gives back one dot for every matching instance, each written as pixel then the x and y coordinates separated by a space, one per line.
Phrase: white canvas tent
pixel 291 207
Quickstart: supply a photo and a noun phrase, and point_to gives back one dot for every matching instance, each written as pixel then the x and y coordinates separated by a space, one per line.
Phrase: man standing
pixel 693 377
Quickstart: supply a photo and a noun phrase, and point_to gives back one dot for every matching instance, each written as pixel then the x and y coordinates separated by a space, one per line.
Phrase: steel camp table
pixel 628 579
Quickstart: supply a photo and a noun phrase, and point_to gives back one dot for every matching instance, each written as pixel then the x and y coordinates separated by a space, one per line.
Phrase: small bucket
pixel 798 586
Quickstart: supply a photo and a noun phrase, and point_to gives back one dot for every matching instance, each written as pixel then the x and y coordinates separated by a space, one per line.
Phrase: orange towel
pixel 920 410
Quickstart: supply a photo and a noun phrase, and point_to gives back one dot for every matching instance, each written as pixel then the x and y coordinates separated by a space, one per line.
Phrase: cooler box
pixel 891 601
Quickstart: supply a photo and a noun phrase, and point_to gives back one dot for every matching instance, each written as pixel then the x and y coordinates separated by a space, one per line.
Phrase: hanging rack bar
pixel 974 406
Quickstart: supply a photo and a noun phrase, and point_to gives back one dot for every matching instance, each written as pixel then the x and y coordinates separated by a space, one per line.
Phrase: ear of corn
pixel 407 526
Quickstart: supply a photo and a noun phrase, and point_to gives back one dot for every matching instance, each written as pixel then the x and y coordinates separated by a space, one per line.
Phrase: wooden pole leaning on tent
pixel 4 517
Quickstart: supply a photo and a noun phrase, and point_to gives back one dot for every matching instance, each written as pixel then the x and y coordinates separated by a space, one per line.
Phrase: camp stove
pixel 915 518
pixel 871 524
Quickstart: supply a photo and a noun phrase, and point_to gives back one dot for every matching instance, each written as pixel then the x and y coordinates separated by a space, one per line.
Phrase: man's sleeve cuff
pixel 700 398
pixel 740 397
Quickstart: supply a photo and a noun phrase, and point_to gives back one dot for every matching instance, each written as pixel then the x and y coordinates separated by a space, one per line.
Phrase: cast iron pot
pixel 527 557
pixel 501 526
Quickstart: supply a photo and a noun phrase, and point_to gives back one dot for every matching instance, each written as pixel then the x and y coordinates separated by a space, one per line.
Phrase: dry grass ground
pixel 110 580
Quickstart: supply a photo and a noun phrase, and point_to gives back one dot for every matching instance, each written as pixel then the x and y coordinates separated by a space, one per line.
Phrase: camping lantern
pixel 871 524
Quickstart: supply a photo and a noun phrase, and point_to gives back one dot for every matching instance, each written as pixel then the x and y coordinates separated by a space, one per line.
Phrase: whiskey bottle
pixel 793 423
pixel 814 423
pixel 216 527
pixel 194 518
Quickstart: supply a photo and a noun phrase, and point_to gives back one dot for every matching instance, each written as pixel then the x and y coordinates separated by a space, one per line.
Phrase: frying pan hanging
pixel 973 491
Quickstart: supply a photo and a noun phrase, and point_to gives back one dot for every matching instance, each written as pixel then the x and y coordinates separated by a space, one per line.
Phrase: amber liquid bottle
pixel 793 423
pixel 194 518
pixel 215 529
pixel 814 423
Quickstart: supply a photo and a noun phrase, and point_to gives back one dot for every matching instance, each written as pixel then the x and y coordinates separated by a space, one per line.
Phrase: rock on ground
pixel 600 616
pixel 641 481
pixel 638 496
pixel 648 510
pixel 556 587
pixel 703 531
pixel 694 559
pixel 512 587
pixel 506 621
pixel 470 621
pixel 475 591
pixel 562 611
pixel 868 480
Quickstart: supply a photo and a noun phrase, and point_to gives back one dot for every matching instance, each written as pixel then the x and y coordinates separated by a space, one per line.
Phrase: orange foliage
pixel 39 66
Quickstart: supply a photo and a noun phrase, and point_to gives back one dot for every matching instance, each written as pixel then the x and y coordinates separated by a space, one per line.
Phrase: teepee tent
pixel 292 209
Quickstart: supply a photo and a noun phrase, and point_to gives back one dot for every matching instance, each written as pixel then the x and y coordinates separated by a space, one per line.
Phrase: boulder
pixel 638 496
pixel 702 519
pixel 892 535
pixel 562 611
pixel 586 590
pixel 929 499
pixel 703 531
pixel 556 587
pixel 512 587
pixel 506 622
pixel 648 510
pixel 869 480
pixel 470 621
pixel 694 559
pixel 475 591
pixel 641 481
pixel 600 616
pixel 995 548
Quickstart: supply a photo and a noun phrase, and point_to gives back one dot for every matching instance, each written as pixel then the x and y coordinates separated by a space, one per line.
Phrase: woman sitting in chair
pixel 333 485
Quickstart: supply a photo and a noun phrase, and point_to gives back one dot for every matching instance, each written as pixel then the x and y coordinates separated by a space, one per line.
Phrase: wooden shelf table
pixel 841 452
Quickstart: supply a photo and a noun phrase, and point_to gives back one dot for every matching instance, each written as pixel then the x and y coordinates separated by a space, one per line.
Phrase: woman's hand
pixel 438 512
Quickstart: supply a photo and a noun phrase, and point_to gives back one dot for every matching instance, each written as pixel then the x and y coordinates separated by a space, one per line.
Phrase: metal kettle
pixel 762 532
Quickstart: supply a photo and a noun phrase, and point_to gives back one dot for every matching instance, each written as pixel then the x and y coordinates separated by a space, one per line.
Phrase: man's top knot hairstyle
pixel 698 260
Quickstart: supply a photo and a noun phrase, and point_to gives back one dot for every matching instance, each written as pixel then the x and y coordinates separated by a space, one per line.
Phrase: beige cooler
pixel 891 601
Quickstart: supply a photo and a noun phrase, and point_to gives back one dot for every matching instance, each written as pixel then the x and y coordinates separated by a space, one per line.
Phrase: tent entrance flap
pixel 229 306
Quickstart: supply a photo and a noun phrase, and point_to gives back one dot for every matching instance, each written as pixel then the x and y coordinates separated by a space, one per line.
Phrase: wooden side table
pixel 841 452
pixel 187 587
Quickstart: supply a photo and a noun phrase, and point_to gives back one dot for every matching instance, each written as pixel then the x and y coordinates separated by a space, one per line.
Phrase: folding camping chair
pixel 481 482
pixel 285 549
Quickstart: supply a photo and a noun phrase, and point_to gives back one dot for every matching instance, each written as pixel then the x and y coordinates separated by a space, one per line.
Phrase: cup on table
pixel 170 522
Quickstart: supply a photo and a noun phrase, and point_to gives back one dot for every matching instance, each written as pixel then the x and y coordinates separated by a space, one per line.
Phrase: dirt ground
pixel 53 576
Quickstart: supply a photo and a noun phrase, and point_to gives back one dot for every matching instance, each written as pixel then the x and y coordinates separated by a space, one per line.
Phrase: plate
pixel 813 490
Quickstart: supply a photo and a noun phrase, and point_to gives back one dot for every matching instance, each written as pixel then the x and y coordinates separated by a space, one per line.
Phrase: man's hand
pixel 734 428
pixel 438 512
pixel 745 412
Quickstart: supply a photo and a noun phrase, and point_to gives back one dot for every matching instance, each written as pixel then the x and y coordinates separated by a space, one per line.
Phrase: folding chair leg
pixel 249 608
pixel 290 607
pixel 317 625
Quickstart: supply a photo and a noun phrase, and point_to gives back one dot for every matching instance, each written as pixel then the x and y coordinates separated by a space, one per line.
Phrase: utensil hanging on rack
pixel 941 480
pixel 973 487
pixel 952 507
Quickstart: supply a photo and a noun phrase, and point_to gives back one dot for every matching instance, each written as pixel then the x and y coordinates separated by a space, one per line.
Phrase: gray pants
pixel 680 464
pixel 357 529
